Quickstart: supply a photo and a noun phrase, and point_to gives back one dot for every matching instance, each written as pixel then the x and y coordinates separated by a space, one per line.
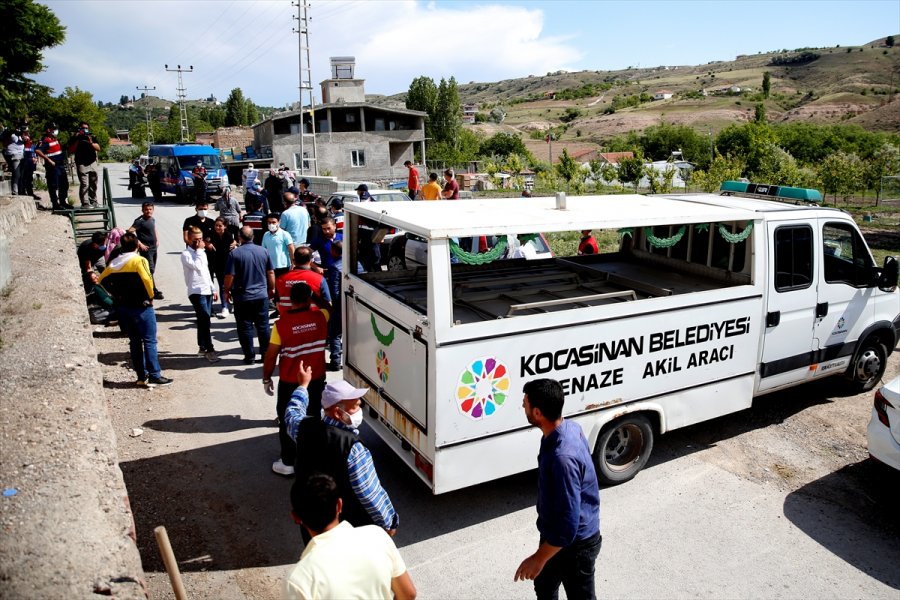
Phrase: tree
pixel 28 29
pixel 514 166
pixel 722 168
pixel 569 169
pixel 778 167
pixel 885 162
pixel 841 174
pixel 889 41
pixel 759 113
pixel 631 170
pixel 448 113
pixel 251 115
pixel 123 100
pixel 422 95
pixel 766 84
pixel 502 145
pixel 72 107
pixel 235 108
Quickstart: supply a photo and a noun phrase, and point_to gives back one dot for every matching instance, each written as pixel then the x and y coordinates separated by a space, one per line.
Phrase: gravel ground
pixel 67 528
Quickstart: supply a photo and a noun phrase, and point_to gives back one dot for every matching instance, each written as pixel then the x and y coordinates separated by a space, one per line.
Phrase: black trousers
pixel 573 566
pixel 315 389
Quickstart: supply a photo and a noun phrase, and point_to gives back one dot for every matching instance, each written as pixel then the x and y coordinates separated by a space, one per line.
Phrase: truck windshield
pixel 210 161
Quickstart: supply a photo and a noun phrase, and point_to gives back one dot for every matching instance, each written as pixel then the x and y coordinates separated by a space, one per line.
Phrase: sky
pixel 113 47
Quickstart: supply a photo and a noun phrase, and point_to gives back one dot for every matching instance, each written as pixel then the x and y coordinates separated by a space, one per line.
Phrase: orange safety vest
pixel 303 334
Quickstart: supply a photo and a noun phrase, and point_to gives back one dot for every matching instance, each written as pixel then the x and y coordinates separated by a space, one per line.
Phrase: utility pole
pixel 181 97
pixel 307 160
pixel 146 89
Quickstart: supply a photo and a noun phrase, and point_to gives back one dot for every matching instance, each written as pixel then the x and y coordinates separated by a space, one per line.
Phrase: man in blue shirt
pixel 249 283
pixel 295 220
pixel 568 503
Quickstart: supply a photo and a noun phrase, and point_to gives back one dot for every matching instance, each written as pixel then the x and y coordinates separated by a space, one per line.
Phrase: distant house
pixel 469 111
pixel 354 140
pixel 613 158
pixel 735 89
pixel 662 95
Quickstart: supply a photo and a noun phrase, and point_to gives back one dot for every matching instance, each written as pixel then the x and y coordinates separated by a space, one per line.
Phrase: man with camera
pixel 85 148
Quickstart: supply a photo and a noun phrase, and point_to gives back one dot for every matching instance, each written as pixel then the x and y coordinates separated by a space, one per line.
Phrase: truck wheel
pixel 868 367
pixel 623 448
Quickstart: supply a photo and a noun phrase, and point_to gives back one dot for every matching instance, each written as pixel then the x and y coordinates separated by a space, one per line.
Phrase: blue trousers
pixel 251 315
pixel 203 309
pixel 140 325
pixel 58 185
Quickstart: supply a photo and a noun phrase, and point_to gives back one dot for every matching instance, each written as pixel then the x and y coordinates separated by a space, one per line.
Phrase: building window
pixel 351 117
pixel 358 158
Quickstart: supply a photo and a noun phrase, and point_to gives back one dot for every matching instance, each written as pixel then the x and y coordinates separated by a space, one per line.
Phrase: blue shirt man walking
pixel 568 502
pixel 249 283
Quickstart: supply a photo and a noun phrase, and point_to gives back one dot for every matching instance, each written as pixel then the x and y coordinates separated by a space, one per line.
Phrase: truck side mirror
pixel 887 279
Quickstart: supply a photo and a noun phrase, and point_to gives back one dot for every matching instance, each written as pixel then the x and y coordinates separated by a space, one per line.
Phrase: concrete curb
pixel 67 529
pixel 15 212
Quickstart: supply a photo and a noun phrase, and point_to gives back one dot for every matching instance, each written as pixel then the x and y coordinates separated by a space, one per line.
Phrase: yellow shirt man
pixel 432 189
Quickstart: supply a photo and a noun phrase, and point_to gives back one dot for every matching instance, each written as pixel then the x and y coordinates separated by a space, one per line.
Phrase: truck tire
pixel 623 448
pixel 868 366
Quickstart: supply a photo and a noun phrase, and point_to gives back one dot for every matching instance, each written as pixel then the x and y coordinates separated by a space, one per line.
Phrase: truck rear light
pixel 423 465
pixel 881 405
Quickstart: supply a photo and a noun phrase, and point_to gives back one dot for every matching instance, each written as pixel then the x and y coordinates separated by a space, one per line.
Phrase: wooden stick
pixel 165 550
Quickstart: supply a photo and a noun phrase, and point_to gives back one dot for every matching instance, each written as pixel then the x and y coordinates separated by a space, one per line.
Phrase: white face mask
pixel 273 227
pixel 201 213
pixel 56 132
pixel 356 419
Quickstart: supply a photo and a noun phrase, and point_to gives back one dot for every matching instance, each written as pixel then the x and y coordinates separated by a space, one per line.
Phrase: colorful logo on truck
pixel 482 388
pixel 383 366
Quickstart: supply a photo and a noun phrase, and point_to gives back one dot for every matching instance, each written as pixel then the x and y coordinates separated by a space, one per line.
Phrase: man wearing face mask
pixel 85 148
pixel 201 220
pixel 50 150
pixel 279 244
pixel 332 446
pixel 299 335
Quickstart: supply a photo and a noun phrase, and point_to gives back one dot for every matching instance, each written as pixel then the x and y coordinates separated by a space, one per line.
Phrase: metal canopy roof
pixel 460 218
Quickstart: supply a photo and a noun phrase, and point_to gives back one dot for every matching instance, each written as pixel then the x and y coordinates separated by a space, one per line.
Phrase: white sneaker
pixel 281 468
pixel 220 315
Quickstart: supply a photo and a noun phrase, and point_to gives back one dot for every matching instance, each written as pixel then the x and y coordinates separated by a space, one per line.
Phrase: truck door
pixel 844 306
pixel 791 298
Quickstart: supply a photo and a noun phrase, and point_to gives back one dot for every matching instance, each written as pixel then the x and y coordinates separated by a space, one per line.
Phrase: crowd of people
pixel 233 266
pixel 23 155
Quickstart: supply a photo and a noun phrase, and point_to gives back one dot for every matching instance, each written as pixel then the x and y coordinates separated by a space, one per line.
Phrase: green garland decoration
pixel 386 340
pixel 478 259
pixel 524 239
pixel 701 227
pixel 735 238
pixel 626 231
pixel 663 242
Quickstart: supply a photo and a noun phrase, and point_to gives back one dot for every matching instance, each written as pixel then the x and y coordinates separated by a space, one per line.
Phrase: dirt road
pixel 776 501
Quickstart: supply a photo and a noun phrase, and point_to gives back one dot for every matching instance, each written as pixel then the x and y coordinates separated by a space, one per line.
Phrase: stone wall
pixel 233 137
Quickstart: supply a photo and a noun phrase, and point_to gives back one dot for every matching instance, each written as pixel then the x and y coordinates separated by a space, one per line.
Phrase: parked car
pixel 377 196
pixel 409 251
pixel 884 426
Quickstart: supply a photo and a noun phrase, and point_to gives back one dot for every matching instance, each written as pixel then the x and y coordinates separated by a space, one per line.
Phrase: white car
pixel 884 427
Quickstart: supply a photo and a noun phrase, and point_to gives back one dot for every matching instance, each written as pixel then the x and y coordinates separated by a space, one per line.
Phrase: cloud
pixel 112 47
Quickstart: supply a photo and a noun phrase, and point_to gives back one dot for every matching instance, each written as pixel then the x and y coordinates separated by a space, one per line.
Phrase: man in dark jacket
pixel 332 446
pixel 85 148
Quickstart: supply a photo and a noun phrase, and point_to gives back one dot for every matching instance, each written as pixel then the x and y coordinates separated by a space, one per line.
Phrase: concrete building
pixel 354 140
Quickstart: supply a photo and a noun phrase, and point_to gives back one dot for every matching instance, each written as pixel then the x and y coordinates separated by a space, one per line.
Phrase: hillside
pixel 857 84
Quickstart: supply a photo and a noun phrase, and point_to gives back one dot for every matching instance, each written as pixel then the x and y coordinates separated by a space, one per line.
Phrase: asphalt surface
pixel 684 528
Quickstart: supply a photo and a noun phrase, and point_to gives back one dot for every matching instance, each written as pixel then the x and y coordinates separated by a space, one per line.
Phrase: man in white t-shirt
pixel 342 561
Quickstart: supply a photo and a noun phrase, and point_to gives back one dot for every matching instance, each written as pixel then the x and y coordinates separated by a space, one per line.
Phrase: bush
pixel 123 153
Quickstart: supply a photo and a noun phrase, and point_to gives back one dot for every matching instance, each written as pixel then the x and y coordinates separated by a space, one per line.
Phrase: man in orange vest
pixel 304 270
pixel 413 182
pixel 298 335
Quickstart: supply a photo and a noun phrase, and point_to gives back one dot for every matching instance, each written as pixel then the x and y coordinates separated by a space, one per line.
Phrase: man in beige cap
pixel 332 446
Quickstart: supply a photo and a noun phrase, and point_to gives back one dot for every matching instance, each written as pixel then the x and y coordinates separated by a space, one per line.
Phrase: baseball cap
pixel 340 390
pixel 362 188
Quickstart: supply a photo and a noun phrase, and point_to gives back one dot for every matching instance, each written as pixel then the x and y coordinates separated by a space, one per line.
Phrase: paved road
pixel 685 528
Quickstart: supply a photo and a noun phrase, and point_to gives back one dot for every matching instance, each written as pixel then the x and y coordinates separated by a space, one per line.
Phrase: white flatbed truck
pixel 710 301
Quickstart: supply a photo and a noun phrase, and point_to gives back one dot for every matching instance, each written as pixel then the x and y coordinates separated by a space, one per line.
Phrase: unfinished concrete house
pixel 354 140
